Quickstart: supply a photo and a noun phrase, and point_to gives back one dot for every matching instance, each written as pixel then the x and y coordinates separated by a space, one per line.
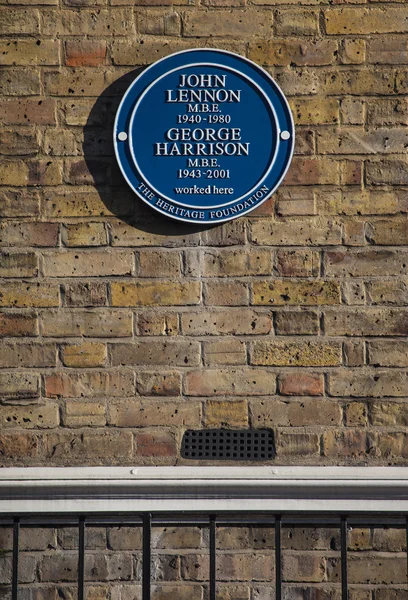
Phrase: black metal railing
pixel 212 521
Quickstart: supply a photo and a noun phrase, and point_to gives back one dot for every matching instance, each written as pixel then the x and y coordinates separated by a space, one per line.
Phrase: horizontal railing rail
pixel 221 489
pixel 208 497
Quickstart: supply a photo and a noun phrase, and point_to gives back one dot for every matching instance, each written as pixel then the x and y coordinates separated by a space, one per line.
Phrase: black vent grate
pixel 228 444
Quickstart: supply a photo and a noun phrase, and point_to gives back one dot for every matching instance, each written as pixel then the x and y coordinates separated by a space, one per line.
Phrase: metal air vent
pixel 228 444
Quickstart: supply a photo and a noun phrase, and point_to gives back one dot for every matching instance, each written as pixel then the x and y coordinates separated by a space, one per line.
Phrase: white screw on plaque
pixel 285 135
pixel 122 136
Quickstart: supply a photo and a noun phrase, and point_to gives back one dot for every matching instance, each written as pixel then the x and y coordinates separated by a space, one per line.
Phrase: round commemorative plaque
pixel 204 136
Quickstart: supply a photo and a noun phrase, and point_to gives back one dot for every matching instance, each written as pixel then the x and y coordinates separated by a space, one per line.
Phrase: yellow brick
pixel 29 417
pixel 27 294
pixel 315 111
pixel 84 414
pixel 29 52
pixel 294 353
pixel 226 414
pixel 85 234
pixel 155 293
pixel 87 354
pixel 306 293
pixel 357 20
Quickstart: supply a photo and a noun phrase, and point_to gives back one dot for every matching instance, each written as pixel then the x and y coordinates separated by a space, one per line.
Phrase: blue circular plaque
pixel 204 135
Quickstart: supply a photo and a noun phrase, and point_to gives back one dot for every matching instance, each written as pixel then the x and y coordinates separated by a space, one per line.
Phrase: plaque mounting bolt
pixel 122 136
pixel 285 135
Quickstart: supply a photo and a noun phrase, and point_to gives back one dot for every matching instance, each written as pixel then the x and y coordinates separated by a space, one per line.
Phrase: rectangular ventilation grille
pixel 228 444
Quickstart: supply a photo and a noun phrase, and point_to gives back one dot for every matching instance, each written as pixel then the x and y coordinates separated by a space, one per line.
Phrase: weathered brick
pixel 295 201
pixel 19 21
pixel 301 384
pixel 387 292
pixel 75 81
pixel 84 414
pixel 151 413
pixel 357 141
pixel 15 354
pixel 313 171
pixel 358 20
pixel 19 203
pixel 387 353
pixel 227 351
pixel 385 112
pixel 167 383
pixel 297 22
pixel 306 568
pixel 236 23
pixel 285 52
pixel 19 445
pixel 359 82
pixel 91 447
pixel 351 443
pixel 389 413
pixel 19 143
pixel 297 444
pixel 236 263
pixel 286 292
pixel 22 81
pixel 315 111
pixel 354 353
pixel 82 203
pixel 18 233
pixel 27 111
pixel 156 443
pixel 229 321
pixel 155 293
pixel 170 352
pixel 26 294
pixel 305 322
pixel 308 412
pixel 80 294
pixel 366 321
pixel 225 293
pixel 16 264
pixel 152 323
pixel 17 385
pixel 295 233
pixel 30 172
pixel 85 234
pixel 297 263
pixel 353 51
pixel 18 324
pixel 226 413
pixel 87 354
pixel 89 384
pixel 60 142
pixel 158 22
pixel 77 264
pixel 95 22
pixel 371 384
pixel 29 52
pixel 235 381
pixel 155 263
pixel 296 353
pixel 85 53
pixel 87 323
pixel 390 232
pixel 29 417
pixel 362 263
pixel 384 570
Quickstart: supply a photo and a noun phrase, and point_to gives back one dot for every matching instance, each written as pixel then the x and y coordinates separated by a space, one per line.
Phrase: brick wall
pixel 121 329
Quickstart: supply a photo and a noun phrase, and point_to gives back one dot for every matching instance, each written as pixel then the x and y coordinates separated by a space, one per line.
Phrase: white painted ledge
pixel 224 489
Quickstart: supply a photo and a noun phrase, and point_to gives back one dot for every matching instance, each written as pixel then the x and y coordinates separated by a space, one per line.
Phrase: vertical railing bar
pixel 14 580
pixel 278 557
pixel 343 546
pixel 147 554
pixel 81 557
pixel 213 557
pixel 406 540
